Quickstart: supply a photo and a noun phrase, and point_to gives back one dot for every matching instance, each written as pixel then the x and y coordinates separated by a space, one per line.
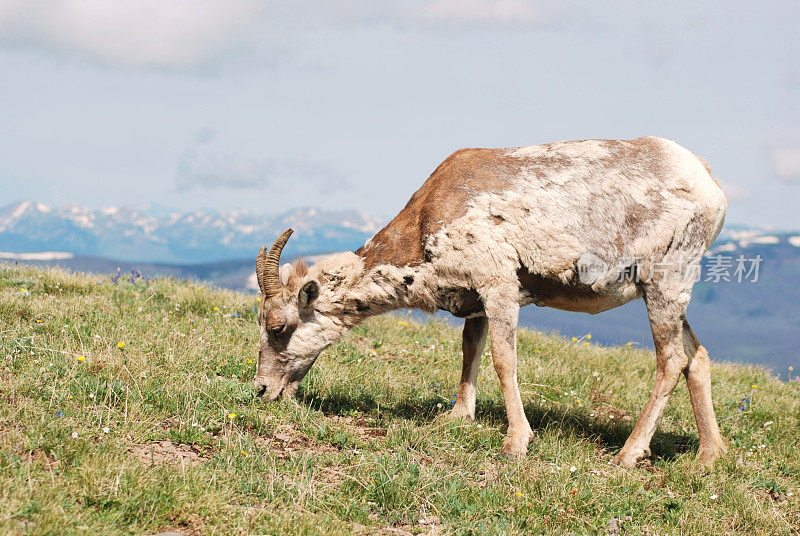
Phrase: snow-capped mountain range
pixel 751 321
pixel 154 234
pixel 738 237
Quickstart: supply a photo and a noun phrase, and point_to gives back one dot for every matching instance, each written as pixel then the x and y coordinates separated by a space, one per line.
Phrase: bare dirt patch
pixel 361 426
pixel 288 439
pixel 185 524
pixel 331 476
pixel 161 452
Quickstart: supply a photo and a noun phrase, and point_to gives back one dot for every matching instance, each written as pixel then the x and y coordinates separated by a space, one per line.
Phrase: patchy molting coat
pixel 519 220
pixel 495 229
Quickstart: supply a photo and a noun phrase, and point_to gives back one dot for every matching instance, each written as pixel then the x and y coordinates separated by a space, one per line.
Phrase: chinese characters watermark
pixel 716 269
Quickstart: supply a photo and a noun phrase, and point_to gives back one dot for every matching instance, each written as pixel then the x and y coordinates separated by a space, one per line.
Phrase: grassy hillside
pixel 128 408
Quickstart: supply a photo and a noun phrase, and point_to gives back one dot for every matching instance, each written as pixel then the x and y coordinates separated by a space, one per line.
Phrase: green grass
pixel 166 433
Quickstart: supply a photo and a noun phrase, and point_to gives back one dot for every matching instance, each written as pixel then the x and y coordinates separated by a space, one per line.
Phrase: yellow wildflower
pixel 249 361
pixel 231 416
pixel 589 336
pixel 120 345
pixel 216 308
pixel 81 359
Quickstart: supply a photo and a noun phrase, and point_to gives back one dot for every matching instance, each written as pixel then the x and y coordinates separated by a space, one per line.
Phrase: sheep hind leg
pixel 698 379
pixel 666 324
pixel 472 343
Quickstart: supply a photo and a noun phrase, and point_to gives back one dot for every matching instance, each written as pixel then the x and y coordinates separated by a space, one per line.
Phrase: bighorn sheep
pixel 492 230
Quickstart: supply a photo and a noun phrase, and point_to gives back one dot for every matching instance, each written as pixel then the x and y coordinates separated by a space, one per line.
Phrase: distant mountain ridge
pixel 751 321
pixel 157 235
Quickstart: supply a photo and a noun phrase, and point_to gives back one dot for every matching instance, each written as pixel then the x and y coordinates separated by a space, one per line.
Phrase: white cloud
pixel 176 35
pixel 786 162
pixel 213 170
pixel 152 33
pixel 479 11
pixel 203 167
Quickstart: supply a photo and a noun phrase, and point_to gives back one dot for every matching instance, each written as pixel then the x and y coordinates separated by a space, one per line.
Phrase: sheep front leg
pixel 502 319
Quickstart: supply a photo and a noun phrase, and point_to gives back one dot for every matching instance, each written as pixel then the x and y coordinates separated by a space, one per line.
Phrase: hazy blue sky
pixel 273 105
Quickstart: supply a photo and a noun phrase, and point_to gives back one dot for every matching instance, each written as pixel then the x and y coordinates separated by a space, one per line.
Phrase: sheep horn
pixel 268 266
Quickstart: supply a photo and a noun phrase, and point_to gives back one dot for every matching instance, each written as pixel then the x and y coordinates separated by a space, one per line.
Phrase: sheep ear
pixel 308 293
pixel 286 269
